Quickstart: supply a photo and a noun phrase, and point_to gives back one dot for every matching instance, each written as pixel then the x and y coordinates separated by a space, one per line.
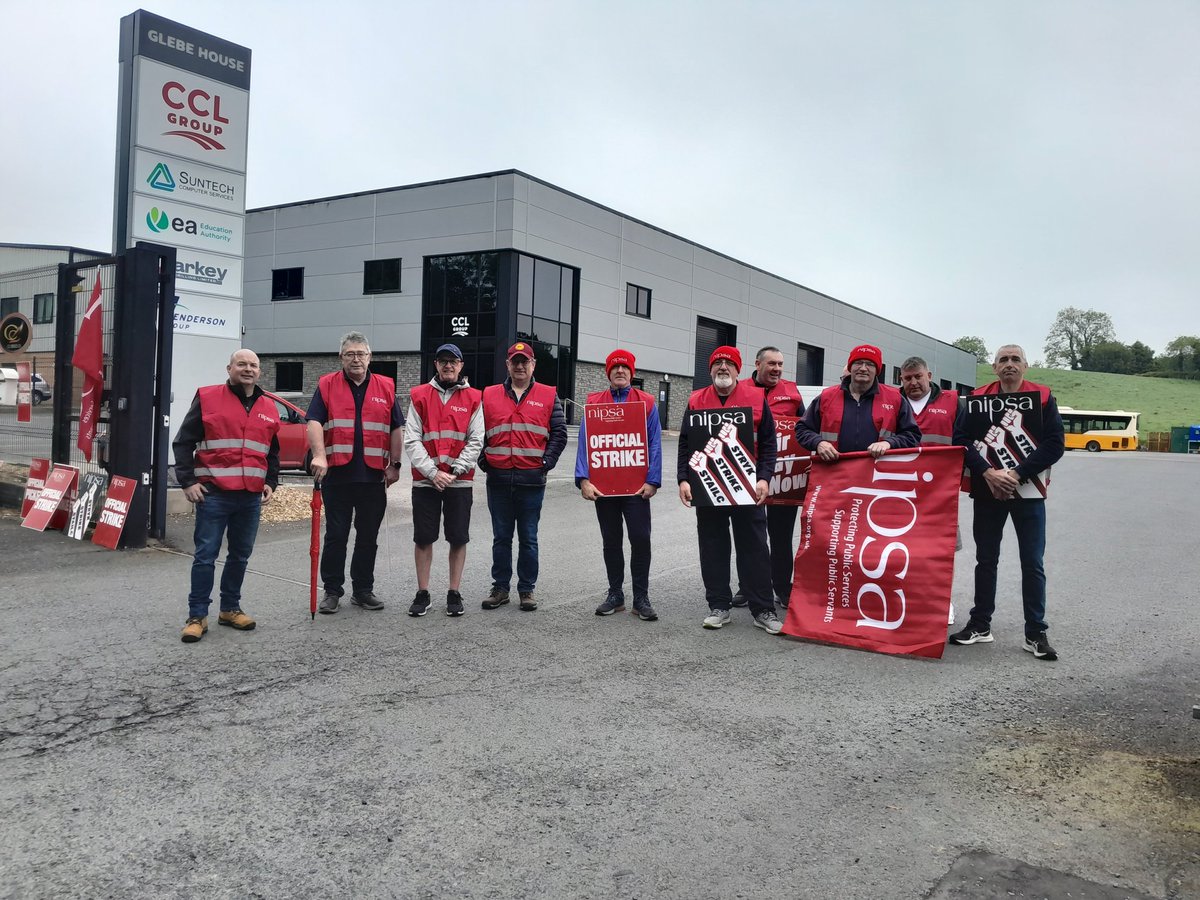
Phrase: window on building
pixel 637 301
pixel 287 284
pixel 8 305
pixel 388 368
pixel 895 374
pixel 946 384
pixel 964 389
pixel 810 364
pixel 289 376
pixel 709 336
pixel 381 276
pixel 43 309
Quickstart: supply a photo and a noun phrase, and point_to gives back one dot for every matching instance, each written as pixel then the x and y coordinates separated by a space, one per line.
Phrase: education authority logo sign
pixel 186 226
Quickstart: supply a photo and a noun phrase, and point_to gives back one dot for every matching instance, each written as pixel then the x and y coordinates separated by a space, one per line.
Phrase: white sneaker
pixel 717 618
pixel 768 622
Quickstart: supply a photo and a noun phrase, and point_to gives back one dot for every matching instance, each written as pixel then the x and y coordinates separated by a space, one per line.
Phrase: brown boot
pixel 235 618
pixel 528 603
pixel 195 629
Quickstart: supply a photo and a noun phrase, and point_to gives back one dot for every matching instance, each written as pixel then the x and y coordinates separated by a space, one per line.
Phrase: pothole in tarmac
pixel 1094 791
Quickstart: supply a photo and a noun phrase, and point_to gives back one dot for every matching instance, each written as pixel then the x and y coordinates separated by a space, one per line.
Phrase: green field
pixel 1163 402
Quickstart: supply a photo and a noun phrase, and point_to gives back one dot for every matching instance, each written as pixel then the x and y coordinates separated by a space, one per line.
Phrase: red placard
pixel 876 558
pixel 53 504
pixel 618 453
pixel 111 523
pixel 38 470
pixel 24 392
pixel 792 462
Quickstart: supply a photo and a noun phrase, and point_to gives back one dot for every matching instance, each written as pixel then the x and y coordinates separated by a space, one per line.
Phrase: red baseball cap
pixel 520 348
pixel 728 353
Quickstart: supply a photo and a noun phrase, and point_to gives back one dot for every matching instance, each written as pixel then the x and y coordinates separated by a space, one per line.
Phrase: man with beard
pixel 748 523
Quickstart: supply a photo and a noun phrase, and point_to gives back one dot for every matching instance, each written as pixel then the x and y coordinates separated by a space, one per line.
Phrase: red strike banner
pixel 111 523
pixel 876 560
pixel 38 470
pixel 792 462
pixel 24 392
pixel 617 449
pixel 53 504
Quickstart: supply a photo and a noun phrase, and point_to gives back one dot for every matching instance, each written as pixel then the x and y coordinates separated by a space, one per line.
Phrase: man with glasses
pixel 861 413
pixel 748 523
pixel 443 435
pixel 355 435
pixel 525 432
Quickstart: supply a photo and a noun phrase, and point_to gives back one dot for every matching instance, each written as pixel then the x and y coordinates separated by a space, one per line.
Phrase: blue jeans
pixel 223 512
pixel 1029 520
pixel 515 508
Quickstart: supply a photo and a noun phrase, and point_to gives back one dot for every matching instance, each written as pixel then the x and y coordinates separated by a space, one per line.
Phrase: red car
pixel 293 432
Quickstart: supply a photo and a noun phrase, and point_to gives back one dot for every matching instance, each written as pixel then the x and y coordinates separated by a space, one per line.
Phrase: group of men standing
pixel 227 461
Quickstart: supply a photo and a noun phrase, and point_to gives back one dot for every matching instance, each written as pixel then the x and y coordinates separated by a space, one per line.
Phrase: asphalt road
pixel 558 754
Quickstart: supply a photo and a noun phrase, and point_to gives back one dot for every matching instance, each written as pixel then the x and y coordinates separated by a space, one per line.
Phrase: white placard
pixel 187 115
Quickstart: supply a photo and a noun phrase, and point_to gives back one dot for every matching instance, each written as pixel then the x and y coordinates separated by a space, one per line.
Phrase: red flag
pixel 876 561
pixel 89 359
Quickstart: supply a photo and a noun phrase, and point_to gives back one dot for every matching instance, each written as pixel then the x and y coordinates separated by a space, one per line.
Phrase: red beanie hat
pixel 866 351
pixel 726 352
pixel 620 358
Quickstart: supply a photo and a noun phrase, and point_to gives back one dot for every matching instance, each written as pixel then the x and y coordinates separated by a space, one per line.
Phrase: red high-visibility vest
pixel 340 413
pixel 744 393
pixel 445 425
pixel 936 420
pixel 885 411
pixel 233 454
pixel 516 434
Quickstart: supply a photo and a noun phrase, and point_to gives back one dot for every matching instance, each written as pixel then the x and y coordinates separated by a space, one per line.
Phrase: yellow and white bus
pixel 1097 429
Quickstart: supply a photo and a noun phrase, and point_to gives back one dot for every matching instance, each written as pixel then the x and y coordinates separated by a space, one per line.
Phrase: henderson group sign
pixel 181 164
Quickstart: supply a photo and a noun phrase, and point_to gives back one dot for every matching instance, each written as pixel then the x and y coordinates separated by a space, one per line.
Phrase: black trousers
pixel 635 511
pixel 363 504
pixel 781 529
pixel 749 527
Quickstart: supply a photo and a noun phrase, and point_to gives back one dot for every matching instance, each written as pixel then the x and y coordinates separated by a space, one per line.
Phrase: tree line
pixel 1085 339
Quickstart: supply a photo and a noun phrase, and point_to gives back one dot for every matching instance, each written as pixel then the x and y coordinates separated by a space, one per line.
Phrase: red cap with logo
pixel 620 358
pixel 868 352
pixel 520 348
pixel 727 353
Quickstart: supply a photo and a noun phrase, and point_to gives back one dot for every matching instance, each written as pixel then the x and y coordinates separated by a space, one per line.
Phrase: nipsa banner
pixel 876 559
pixel 792 463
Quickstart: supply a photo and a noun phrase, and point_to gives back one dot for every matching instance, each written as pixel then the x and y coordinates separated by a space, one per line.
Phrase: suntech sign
pixel 163 176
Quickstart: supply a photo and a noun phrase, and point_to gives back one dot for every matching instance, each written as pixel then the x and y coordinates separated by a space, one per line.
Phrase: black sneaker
pixel 614 602
pixel 329 604
pixel 643 610
pixel 367 601
pixel 1040 648
pixel 420 604
pixel 972 635
pixel 739 599
pixel 454 604
pixel 497 598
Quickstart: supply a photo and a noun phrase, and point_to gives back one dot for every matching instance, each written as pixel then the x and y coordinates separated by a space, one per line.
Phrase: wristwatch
pixel 396 466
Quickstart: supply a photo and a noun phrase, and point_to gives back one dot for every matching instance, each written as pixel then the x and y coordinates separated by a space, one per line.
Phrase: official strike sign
pixel 617 449
pixel 116 510
pixel 58 492
pixel 876 559
pixel 792 462
pixel 721 465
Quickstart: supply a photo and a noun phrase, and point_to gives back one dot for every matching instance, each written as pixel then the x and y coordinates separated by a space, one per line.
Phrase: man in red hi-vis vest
pixel 861 413
pixel 443 435
pixel 747 523
pixel 525 432
pixel 935 411
pixel 356 436
pixel 227 461
pixel 995 500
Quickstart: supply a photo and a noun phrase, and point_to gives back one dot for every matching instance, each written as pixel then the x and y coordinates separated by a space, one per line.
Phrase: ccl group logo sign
pixel 460 326
pixel 187 115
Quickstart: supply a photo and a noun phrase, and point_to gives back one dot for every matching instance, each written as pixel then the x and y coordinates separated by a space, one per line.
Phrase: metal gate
pixel 132 439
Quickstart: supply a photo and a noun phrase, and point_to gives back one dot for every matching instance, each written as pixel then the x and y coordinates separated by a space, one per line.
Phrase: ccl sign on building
pixel 181 178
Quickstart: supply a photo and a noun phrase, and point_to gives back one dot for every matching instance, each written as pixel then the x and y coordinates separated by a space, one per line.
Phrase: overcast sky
pixel 959 167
